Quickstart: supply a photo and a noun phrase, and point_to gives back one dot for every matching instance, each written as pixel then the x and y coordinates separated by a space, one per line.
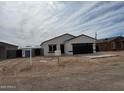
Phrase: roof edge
pixel 79 36
pixel 10 44
pixel 56 37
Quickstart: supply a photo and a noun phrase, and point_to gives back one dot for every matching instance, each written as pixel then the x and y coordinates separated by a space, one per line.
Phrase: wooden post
pixel 58 54
pixel 58 59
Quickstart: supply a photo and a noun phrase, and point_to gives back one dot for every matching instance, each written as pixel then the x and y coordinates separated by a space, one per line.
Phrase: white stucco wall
pixel 58 41
pixel 80 39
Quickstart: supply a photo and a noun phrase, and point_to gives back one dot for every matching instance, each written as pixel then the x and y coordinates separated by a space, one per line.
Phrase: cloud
pixel 30 23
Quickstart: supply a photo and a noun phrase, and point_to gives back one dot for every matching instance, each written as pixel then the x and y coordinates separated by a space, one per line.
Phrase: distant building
pixel 69 45
pixel 8 50
pixel 110 44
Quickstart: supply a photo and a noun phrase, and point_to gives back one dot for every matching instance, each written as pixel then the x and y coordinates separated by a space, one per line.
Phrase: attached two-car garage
pixel 82 48
pixel 80 45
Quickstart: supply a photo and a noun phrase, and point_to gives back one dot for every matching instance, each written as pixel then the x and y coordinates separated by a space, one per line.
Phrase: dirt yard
pixel 72 73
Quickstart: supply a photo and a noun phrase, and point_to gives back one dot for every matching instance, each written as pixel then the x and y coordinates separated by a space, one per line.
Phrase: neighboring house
pixel 35 51
pixel 69 45
pixel 8 50
pixel 110 44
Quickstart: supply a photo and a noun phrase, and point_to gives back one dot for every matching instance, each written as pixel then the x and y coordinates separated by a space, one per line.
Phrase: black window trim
pixel 52 48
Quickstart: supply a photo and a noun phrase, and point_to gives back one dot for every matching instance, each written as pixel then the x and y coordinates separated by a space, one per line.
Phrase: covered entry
pixel 81 48
pixel 19 53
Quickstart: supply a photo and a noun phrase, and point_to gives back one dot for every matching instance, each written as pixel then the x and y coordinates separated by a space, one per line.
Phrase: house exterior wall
pixel 81 39
pixel 2 52
pixel 11 51
pixel 4 48
pixel 58 41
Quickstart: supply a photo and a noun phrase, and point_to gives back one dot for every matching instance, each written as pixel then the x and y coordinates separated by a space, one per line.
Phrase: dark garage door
pixel 11 53
pixel 82 48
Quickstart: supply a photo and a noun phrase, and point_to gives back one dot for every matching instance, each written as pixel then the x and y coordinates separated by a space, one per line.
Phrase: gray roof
pixel 57 37
pixel 80 36
pixel 9 44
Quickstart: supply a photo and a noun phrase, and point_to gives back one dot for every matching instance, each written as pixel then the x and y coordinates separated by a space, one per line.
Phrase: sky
pixel 30 23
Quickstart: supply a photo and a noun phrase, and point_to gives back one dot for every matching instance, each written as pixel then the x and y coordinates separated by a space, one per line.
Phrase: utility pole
pixel 94 45
pixel 96 35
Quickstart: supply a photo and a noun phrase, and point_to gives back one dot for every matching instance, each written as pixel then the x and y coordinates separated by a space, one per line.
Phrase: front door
pixel 62 48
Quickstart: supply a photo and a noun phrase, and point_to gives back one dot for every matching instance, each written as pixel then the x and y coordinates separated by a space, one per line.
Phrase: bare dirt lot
pixel 73 73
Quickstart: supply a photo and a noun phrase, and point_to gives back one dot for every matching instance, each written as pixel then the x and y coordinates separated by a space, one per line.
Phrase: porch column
pixel 58 46
pixel 94 48
pixel 23 53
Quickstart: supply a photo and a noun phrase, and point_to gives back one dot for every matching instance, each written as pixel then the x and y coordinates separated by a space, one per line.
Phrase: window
pixel 113 45
pixel 52 48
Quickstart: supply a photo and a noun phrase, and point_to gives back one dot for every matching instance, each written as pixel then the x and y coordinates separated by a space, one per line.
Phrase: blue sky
pixel 30 23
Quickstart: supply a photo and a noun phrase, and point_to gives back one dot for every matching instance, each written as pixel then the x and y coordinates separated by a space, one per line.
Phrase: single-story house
pixel 56 43
pixel 8 50
pixel 110 44
pixel 69 45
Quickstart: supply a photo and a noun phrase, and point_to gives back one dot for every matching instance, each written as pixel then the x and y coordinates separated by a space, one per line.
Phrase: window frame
pixel 53 48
